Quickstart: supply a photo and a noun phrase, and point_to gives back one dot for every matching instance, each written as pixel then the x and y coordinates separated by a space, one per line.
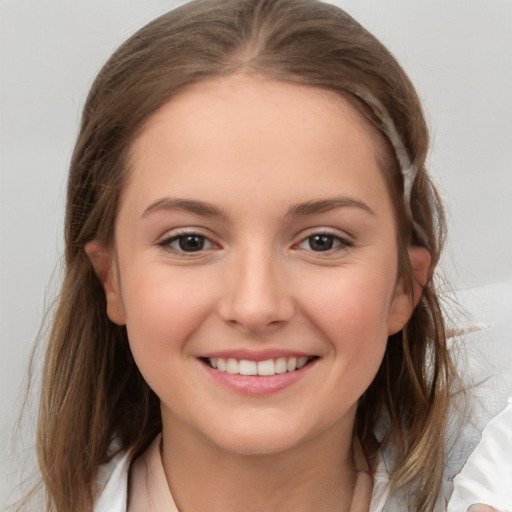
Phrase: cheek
pixel 163 310
pixel 355 303
pixel 351 313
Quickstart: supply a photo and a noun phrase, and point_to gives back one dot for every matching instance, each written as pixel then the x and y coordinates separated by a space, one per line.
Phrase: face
pixel 255 263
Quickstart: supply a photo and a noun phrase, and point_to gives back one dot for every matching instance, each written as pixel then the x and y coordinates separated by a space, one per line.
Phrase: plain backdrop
pixel 457 52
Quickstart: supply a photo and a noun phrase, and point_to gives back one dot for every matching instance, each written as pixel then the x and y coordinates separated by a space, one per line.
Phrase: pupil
pixel 321 242
pixel 191 243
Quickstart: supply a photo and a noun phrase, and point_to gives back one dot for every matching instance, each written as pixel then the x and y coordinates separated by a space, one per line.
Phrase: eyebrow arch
pixel 324 205
pixel 188 205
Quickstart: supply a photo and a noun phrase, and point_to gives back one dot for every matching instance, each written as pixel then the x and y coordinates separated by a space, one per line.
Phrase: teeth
pixel 280 365
pixel 264 368
pixel 301 362
pixel 248 367
pixel 291 364
pixel 232 366
pixel 221 364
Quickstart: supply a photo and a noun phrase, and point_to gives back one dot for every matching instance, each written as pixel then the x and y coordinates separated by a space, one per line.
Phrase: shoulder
pixel 112 484
pixel 478 465
pixel 486 478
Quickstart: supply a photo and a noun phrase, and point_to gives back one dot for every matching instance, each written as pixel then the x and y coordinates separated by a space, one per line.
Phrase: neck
pixel 318 475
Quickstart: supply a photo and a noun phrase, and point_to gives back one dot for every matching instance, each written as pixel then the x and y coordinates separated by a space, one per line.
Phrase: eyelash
pixel 340 243
pixel 167 242
pixel 337 243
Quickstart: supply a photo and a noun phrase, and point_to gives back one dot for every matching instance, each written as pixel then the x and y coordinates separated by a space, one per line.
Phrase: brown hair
pixel 93 392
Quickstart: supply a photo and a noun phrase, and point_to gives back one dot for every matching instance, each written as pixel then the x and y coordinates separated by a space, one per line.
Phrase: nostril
pixel 254 318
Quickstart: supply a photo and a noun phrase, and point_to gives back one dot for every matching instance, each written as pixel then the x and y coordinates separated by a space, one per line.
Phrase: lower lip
pixel 258 385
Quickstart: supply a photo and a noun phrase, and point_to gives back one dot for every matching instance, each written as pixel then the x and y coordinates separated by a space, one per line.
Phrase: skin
pixel 254 149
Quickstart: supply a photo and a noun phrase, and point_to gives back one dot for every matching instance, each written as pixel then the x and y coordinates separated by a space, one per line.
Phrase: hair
pixel 93 393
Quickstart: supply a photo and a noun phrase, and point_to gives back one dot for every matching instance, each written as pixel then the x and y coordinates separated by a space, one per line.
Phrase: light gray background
pixel 458 53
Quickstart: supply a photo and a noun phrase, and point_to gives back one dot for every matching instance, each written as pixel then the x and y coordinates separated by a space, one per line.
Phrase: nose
pixel 256 296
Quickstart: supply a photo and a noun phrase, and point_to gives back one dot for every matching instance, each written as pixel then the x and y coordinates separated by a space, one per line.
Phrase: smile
pixel 268 367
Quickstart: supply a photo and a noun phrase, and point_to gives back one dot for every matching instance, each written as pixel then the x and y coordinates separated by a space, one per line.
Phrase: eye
pixel 187 242
pixel 323 242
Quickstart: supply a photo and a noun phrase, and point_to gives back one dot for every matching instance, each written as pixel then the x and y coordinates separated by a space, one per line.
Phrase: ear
pixel 106 270
pixel 406 300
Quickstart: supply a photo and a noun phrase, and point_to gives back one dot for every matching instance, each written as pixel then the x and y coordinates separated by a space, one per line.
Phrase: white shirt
pixel 486 477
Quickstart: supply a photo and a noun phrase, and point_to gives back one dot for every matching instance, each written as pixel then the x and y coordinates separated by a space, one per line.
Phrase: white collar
pixel 113 488
pixel 113 485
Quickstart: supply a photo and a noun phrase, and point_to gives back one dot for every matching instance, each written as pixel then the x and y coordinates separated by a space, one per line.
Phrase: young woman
pixel 248 319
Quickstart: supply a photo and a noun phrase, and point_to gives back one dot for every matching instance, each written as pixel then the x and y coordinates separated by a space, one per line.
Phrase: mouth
pixel 265 368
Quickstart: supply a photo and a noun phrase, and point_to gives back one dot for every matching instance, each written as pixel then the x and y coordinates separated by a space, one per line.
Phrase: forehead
pixel 245 132
pixel 227 102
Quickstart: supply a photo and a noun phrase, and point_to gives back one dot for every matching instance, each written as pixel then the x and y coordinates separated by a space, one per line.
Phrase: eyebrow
pixel 187 205
pixel 300 209
pixel 325 205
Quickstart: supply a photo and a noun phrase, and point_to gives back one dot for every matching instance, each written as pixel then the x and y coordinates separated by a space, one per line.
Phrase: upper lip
pixel 255 355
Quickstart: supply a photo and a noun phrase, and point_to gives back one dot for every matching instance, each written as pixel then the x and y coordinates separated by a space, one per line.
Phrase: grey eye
pixel 186 243
pixel 321 242
pixel 190 243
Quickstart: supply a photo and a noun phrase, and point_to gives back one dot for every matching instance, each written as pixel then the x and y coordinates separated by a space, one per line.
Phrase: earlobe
pixel 106 270
pixel 406 300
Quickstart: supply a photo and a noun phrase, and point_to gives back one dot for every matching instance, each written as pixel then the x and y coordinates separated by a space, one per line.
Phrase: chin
pixel 259 437
pixel 260 444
